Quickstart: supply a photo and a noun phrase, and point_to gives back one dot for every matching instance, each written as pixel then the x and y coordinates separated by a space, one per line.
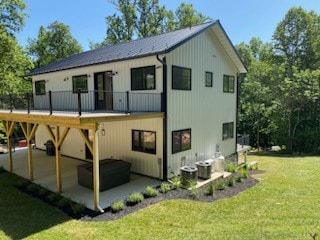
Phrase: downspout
pixel 164 109
pixel 237 115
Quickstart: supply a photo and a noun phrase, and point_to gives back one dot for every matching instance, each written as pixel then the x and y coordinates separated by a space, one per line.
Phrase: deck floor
pixel 44 174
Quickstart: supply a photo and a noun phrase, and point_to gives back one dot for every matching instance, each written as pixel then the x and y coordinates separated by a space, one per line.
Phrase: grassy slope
pixel 284 205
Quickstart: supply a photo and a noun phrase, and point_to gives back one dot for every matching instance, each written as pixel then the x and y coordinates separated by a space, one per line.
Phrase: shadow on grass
pixel 23 215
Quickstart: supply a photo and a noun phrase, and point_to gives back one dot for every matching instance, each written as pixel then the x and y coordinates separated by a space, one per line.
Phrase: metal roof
pixel 143 47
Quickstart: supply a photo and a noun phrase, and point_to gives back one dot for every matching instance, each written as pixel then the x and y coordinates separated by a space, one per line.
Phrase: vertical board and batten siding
pixel 117 143
pixel 203 109
pixel 62 81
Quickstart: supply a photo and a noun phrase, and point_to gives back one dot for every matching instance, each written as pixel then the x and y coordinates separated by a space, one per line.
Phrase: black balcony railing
pixel 81 102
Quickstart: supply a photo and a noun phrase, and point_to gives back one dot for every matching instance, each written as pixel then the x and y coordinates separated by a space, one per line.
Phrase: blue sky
pixel 242 19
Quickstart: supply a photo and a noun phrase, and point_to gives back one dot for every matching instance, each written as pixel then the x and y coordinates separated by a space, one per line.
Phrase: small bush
pixel 230 181
pixel 209 190
pixel 54 198
pixel 165 187
pixel 22 184
pixel 64 203
pixel 230 167
pixel 135 198
pixel 238 177
pixel 117 206
pixel 244 172
pixel 2 170
pixel 77 208
pixel 193 191
pixel 176 182
pixel 33 188
pixel 43 192
pixel 219 185
pixel 150 192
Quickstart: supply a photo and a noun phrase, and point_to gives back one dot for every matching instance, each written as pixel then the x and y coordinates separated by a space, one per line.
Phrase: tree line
pixel 279 96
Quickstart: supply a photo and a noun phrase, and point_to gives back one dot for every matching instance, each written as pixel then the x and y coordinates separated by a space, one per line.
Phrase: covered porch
pixel 45 175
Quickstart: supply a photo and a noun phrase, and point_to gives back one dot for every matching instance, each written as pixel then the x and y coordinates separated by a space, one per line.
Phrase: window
pixel 208 80
pixel 143 78
pixel 80 82
pixel 181 78
pixel 181 140
pixel 40 87
pixel 227 130
pixel 228 84
pixel 144 141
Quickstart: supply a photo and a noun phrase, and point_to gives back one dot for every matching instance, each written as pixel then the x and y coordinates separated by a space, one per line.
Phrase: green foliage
pixel 243 172
pixel 165 187
pixel 135 198
pixel 54 198
pixel 175 181
pixel 12 15
pixel 43 192
pixel 230 181
pixel 219 185
pixel 33 188
pixel 117 206
pixel 53 43
pixel 193 191
pixel 230 167
pixel 146 18
pixel 77 208
pixel 150 192
pixel 64 203
pixel 209 190
pixel 238 177
pixel 2 170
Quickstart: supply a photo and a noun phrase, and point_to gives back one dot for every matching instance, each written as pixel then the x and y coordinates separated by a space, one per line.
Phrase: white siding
pixel 203 109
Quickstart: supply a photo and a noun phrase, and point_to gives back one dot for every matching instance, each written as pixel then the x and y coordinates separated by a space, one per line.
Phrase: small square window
pixel 143 78
pixel 80 82
pixel 181 78
pixel 144 141
pixel 228 84
pixel 181 140
pixel 227 130
pixel 209 79
pixel 40 87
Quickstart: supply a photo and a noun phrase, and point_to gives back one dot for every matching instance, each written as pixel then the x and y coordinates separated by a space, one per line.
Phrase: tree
pixel 144 18
pixel 12 15
pixel 52 44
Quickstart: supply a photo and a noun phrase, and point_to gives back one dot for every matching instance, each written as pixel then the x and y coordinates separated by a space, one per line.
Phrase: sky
pixel 241 19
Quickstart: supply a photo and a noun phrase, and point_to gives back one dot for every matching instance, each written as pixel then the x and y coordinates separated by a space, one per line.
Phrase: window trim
pixel 172 78
pixel 230 135
pixel 73 84
pixel 142 148
pixel 211 80
pixel 144 80
pixel 35 87
pixel 226 80
pixel 180 142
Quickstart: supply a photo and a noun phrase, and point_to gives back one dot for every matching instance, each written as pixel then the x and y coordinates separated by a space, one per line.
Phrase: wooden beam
pixel 64 135
pixel 9 127
pixel 58 159
pixel 86 140
pixel 24 128
pixel 96 173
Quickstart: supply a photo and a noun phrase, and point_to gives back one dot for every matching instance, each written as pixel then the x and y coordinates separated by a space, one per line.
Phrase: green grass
pixel 284 205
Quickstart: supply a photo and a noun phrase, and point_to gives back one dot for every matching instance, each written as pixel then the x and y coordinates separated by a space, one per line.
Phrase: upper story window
pixel 209 79
pixel 227 130
pixel 144 141
pixel 228 84
pixel 181 78
pixel 40 87
pixel 143 78
pixel 80 82
pixel 181 140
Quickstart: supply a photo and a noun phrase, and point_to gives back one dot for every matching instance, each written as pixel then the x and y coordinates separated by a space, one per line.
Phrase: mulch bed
pixel 177 194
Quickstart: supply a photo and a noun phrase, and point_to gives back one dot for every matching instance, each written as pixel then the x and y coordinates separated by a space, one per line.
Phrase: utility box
pixel 50 148
pixel 188 174
pixel 204 169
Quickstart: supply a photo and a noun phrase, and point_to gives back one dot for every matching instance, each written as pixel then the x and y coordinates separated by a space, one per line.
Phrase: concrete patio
pixel 45 175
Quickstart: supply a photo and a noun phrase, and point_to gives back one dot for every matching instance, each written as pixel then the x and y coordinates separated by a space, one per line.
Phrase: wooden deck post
pixel 96 172
pixel 9 127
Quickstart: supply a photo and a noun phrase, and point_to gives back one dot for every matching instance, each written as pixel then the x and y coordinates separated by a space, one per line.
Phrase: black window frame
pixel 38 89
pixel 74 79
pixel 179 134
pixel 144 81
pixel 211 79
pixel 227 131
pixel 177 83
pixel 228 83
pixel 141 143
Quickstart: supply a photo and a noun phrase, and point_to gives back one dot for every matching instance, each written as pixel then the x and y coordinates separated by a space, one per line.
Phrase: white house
pixel 158 102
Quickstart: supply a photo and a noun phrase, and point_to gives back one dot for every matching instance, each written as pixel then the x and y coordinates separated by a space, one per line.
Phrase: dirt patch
pixel 178 194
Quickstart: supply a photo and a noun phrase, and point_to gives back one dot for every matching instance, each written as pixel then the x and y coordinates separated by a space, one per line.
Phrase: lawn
pixel 284 205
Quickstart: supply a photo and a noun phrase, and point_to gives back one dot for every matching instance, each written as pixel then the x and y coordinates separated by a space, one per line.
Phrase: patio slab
pixel 44 174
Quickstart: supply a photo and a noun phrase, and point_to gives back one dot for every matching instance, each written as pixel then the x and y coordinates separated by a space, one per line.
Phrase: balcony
pixel 83 102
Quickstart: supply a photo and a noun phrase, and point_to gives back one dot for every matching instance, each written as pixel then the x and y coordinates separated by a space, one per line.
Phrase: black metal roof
pixel 143 47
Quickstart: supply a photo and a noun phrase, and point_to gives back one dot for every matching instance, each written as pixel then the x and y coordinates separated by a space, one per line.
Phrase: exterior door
pixel 103 91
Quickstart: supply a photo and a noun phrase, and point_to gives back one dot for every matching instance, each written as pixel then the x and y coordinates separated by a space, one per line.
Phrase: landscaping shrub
pixel 150 192
pixel 176 182
pixel 244 172
pixel 165 187
pixel 219 185
pixel 22 184
pixel 34 189
pixel 64 203
pixel 193 191
pixel 2 170
pixel 43 192
pixel 209 190
pixel 77 209
pixel 230 167
pixel 238 177
pixel 230 181
pixel 117 206
pixel 135 198
pixel 54 198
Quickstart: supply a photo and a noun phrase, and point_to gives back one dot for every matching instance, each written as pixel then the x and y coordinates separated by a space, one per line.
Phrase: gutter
pixel 165 123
